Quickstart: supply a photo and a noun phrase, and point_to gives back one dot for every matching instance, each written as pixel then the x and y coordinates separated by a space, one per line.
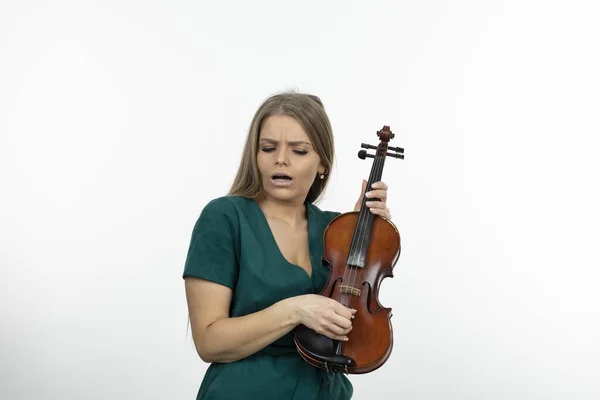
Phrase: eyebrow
pixel 293 143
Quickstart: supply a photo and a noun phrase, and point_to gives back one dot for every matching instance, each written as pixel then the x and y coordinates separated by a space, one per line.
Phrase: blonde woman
pixel 253 270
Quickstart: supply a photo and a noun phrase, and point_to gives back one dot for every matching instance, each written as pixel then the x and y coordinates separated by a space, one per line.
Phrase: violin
pixel 361 249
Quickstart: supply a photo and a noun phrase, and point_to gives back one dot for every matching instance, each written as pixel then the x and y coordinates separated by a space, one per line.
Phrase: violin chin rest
pixel 321 347
pixel 340 360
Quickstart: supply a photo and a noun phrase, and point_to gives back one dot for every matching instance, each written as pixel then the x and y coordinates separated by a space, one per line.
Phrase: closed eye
pixel 270 149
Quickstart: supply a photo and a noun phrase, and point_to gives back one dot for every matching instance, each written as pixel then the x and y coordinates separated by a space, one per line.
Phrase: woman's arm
pixel 219 338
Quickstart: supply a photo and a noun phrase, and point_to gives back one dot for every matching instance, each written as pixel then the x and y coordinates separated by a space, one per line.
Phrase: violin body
pixel 361 249
pixel 371 338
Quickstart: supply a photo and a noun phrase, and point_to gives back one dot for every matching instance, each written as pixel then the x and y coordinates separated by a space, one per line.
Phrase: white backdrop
pixel 120 120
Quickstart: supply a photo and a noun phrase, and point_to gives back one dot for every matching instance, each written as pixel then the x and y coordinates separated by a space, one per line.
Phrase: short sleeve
pixel 328 216
pixel 332 214
pixel 212 253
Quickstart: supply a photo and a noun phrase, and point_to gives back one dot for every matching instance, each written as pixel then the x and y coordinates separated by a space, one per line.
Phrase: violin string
pixel 354 270
pixel 351 253
pixel 361 224
pixel 350 269
pixel 377 170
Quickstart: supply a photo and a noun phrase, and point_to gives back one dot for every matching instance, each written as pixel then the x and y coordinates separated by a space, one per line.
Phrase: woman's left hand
pixel 378 192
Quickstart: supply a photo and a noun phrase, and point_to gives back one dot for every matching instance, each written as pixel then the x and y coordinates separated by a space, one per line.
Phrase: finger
pixel 340 322
pixel 380 185
pixel 337 332
pixel 344 311
pixel 377 194
pixel 330 334
pixel 376 204
pixel 342 315
pixel 330 325
pixel 381 211
pixel 341 338
pixel 345 331
pixel 336 329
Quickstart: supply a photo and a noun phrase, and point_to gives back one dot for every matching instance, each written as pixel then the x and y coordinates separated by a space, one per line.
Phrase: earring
pixel 322 176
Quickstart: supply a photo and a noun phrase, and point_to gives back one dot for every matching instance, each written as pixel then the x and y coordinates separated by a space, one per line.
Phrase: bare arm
pixel 219 338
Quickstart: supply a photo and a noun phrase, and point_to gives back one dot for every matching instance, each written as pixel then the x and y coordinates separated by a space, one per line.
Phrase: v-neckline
pixel 274 241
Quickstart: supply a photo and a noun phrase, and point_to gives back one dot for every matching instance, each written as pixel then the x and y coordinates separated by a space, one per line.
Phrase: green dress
pixel 232 244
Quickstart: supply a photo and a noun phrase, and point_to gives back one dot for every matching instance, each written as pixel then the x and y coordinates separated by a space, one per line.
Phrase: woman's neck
pixel 292 213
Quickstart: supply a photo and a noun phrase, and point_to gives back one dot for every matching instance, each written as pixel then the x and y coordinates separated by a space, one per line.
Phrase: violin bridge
pixel 349 290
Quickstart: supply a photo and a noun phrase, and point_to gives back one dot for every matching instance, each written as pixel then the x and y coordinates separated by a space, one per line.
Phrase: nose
pixel 281 156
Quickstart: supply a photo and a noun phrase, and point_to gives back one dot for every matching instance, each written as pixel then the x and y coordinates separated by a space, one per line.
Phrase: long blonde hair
pixel 308 110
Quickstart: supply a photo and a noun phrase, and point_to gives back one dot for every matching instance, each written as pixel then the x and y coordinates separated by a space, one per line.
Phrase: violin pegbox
pixel 383 150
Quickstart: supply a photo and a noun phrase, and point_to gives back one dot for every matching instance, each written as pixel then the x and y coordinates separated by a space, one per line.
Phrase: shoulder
pixel 322 215
pixel 213 252
pixel 228 205
pixel 224 212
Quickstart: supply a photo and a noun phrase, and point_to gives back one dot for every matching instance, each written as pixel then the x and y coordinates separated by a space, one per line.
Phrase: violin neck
pixel 362 233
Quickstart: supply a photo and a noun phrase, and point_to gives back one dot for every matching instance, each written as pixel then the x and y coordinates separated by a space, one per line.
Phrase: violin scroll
pixel 383 150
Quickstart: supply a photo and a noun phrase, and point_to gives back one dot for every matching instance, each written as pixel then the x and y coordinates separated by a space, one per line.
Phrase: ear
pixel 321 169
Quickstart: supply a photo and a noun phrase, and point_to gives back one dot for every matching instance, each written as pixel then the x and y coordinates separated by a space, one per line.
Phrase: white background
pixel 120 120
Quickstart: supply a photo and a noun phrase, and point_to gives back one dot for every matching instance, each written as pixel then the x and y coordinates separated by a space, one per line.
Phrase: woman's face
pixel 286 160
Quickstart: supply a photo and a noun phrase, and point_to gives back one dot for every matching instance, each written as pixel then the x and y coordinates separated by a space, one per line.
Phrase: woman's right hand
pixel 324 315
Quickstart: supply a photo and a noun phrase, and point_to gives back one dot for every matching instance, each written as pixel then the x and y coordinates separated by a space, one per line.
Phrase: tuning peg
pixel 362 154
pixel 401 156
pixel 397 149
pixel 368 146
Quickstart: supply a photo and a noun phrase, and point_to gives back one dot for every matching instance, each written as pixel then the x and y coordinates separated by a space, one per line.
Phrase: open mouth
pixel 281 179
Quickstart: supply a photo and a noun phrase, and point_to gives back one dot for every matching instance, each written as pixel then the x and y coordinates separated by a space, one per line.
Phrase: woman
pixel 253 270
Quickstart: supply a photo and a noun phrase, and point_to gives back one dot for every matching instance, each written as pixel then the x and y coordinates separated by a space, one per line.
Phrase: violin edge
pixel 358 370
